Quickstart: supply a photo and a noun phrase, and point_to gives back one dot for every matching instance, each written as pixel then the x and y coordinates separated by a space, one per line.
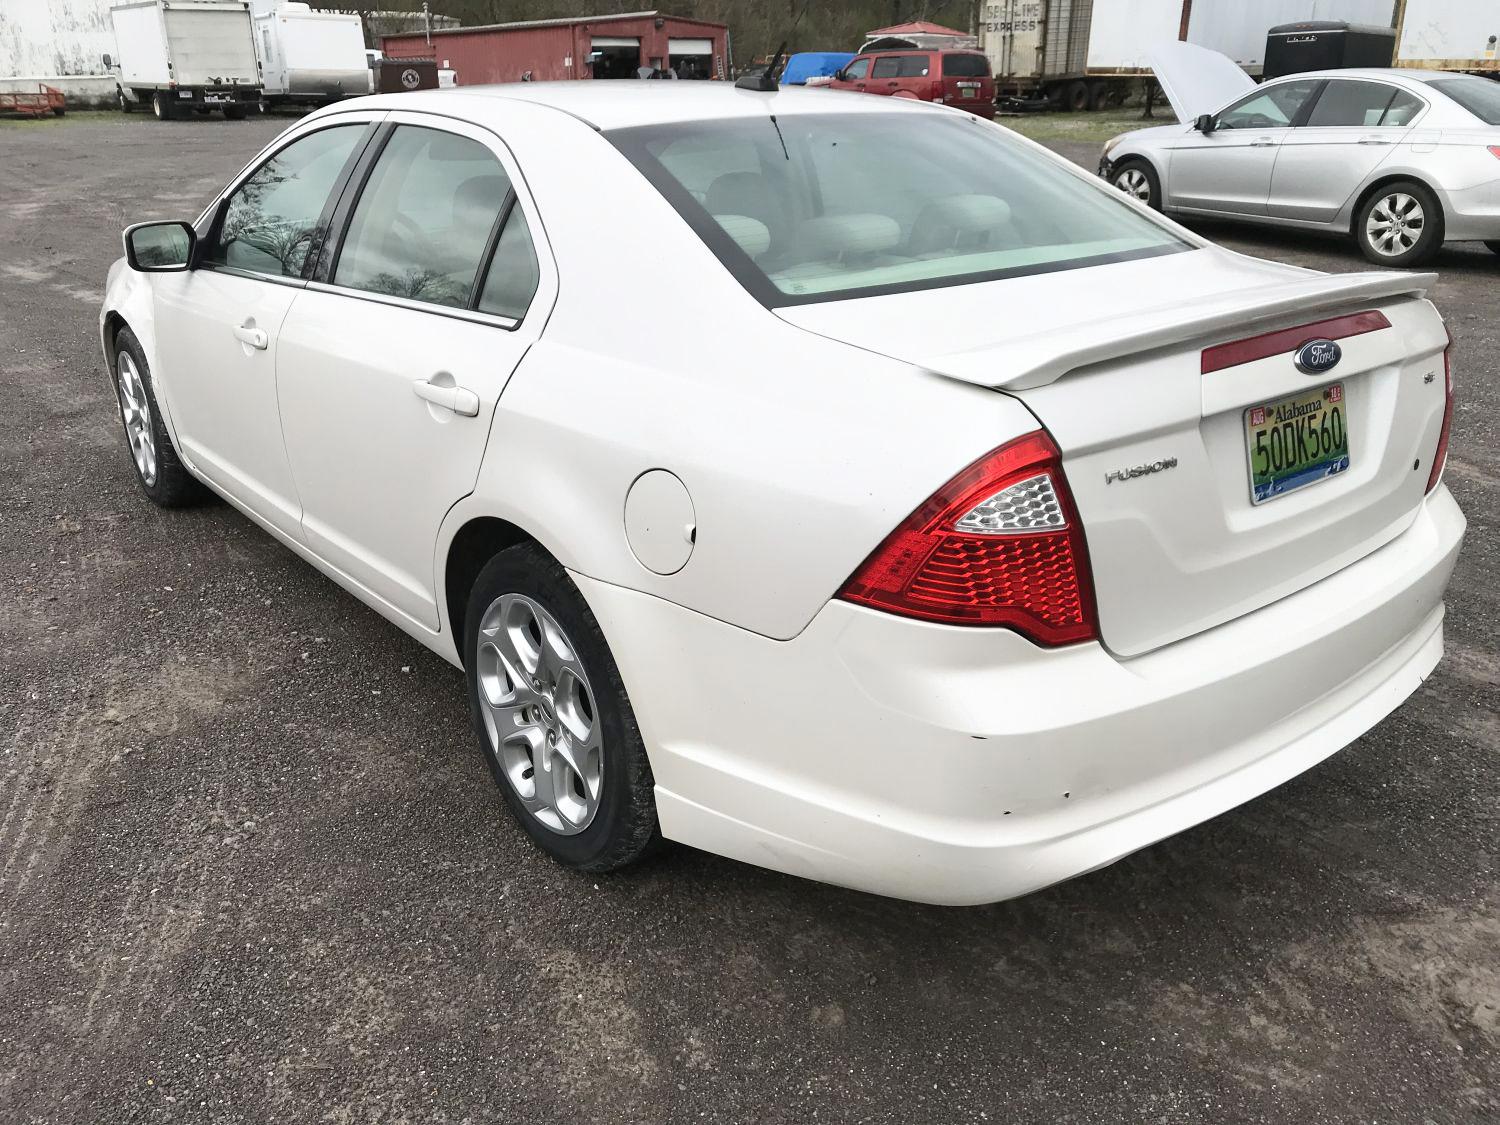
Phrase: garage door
pixel 691 46
pixel 615 41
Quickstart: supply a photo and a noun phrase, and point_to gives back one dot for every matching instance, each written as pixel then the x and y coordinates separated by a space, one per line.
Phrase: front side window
pixel 271 221
pixel 1272 107
pixel 1352 104
pixel 824 206
pixel 424 219
pixel 856 70
pixel 1480 96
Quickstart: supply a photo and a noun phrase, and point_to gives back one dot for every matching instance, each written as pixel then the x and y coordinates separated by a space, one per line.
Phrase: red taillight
pixel 1494 150
pixel 999 544
pixel 1440 458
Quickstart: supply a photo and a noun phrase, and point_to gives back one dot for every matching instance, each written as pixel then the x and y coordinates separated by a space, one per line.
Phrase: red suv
pixel 956 78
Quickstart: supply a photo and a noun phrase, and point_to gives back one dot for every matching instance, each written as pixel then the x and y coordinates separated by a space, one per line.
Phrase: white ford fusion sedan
pixel 840 484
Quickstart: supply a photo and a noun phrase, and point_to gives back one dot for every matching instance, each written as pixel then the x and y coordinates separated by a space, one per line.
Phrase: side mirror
pixel 108 61
pixel 1204 124
pixel 159 247
pixel 838 76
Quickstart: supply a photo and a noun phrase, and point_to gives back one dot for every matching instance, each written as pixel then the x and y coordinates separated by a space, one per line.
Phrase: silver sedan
pixel 1403 160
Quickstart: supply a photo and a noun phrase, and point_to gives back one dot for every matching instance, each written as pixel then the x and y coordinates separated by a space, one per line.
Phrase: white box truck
pixel 308 57
pixel 1448 35
pixel 182 55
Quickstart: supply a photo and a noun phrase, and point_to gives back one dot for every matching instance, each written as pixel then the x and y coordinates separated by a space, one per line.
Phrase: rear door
pixel 1350 131
pixel 916 76
pixel 394 357
pixel 966 82
pixel 1229 170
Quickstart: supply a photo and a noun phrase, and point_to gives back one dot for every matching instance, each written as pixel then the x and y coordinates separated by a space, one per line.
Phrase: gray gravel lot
pixel 252 867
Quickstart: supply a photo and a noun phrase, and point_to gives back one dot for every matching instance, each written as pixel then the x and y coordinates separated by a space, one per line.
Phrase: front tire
pixel 1137 179
pixel 158 470
pixel 1400 225
pixel 552 716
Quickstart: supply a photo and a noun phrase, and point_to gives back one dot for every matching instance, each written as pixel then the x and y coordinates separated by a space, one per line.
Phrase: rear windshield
pixel 966 66
pixel 1480 96
pixel 826 206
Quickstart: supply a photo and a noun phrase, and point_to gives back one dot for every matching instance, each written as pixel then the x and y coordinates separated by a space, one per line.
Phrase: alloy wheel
pixel 135 411
pixel 1133 182
pixel 1395 224
pixel 540 714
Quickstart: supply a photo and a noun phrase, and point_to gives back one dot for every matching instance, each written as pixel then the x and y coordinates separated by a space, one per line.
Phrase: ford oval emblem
pixel 1318 356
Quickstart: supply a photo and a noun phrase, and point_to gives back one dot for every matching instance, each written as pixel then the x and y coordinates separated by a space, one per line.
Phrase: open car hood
pixel 1197 80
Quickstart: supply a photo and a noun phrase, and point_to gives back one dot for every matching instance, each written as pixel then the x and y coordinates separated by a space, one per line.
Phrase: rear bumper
pixel 963 766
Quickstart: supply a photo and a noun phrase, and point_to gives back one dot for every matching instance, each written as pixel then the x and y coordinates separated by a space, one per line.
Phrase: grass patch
pixel 73 117
pixel 1099 126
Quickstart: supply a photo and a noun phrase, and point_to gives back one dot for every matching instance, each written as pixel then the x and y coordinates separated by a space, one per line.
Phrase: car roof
pixel 626 104
pixel 1383 74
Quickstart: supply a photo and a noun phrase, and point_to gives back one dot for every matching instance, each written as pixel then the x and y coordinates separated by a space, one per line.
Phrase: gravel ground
pixel 252 867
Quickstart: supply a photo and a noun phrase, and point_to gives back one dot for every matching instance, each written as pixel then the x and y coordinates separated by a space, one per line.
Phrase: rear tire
pixel 1076 96
pixel 158 470
pixel 1400 225
pixel 162 107
pixel 234 113
pixel 1099 95
pixel 546 697
pixel 1136 178
pixel 1494 247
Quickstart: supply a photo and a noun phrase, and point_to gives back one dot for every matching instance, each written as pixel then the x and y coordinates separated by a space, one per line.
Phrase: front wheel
pixel 1401 224
pixel 1138 180
pixel 552 715
pixel 162 476
pixel 162 106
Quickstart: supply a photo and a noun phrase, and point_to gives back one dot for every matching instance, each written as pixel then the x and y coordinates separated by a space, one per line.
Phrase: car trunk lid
pixel 1150 412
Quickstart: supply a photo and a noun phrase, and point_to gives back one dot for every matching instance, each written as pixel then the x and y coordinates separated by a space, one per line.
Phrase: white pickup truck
pixel 182 55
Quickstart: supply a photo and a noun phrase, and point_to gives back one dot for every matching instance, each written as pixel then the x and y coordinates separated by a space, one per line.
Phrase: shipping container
pixel 606 46
pixel 181 55
pixel 310 58
pixel 1448 35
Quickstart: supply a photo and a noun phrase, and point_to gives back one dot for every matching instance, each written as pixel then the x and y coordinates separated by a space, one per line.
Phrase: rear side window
pixel 1480 96
pixel 513 274
pixel 1353 104
pixel 272 218
pixel 424 219
pixel 913 66
pixel 966 66
pixel 887 66
pixel 1403 108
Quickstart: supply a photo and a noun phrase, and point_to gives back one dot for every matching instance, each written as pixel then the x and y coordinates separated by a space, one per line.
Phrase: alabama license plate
pixel 1298 441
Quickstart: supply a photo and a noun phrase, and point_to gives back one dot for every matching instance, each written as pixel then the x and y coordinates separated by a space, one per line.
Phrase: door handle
pixel 255 337
pixel 1373 141
pixel 460 400
pixel 1264 142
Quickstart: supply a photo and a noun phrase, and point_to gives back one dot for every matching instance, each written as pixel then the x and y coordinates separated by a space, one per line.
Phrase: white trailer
pixel 1448 35
pixel 1238 29
pixel 181 55
pixel 1079 54
pixel 309 57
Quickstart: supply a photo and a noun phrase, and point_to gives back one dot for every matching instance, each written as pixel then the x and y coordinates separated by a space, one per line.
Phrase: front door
pixel 1351 131
pixel 218 326
pixel 390 371
pixel 1229 169
pixel 855 76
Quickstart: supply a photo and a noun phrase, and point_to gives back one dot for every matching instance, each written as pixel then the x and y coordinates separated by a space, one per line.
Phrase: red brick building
pixel 577 47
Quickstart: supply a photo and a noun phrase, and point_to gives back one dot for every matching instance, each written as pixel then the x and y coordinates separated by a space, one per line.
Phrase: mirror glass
pixel 160 246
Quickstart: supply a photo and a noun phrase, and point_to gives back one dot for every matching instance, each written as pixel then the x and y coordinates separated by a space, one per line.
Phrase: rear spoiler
pixel 1035 361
